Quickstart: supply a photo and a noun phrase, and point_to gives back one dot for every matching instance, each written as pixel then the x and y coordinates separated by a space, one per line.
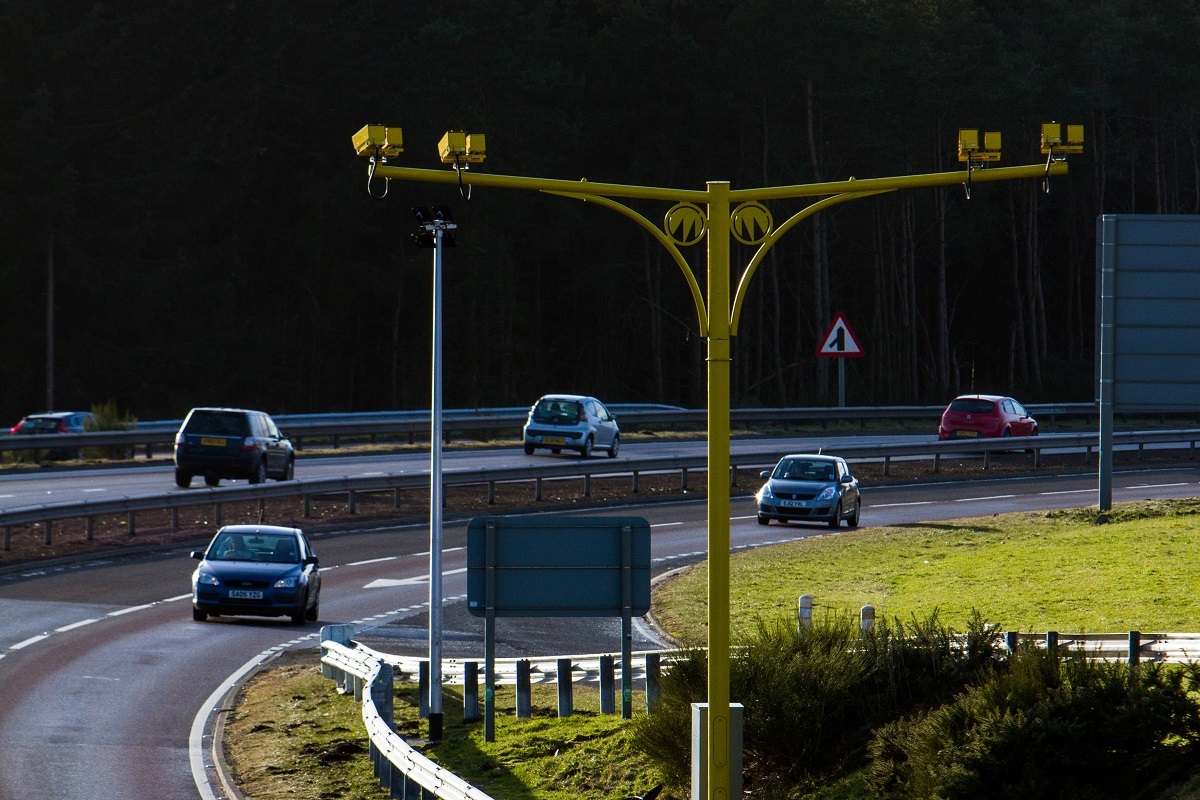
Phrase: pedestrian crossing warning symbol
pixel 839 341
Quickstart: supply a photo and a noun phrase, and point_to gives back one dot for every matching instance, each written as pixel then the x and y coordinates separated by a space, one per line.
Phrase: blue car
pixel 257 570
pixel 810 488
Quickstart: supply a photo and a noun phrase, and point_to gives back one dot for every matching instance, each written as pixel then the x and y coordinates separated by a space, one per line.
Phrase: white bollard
pixel 806 606
pixel 868 618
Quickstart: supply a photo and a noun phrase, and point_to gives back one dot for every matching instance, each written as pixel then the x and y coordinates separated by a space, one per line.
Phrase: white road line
pixel 1157 485
pixel 371 561
pixel 993 497
pixel 75 625
pixel 130 610
pixel 665 524
pixel 1072 491
pixel 86 491
pixel 177 598
pixel 29 641
pixel 897 505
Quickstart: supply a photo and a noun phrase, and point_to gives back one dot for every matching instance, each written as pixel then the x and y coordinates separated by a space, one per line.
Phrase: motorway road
pixel 58 485
pixel 109 690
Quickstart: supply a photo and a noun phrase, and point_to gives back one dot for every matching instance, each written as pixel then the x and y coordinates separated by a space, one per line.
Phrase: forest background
pixel 183 170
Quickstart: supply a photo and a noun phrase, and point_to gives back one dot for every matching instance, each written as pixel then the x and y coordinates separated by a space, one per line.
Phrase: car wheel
pixel 199 615
pixel 260 472
pixel 852 520
pixel 763 520
pixel 836 519
pixel 614 447
pixel 587 447
pixel 528 449
pixel 183 479
pixel 212 480
pixel 314 612
pixel 298 617
pixel 289 471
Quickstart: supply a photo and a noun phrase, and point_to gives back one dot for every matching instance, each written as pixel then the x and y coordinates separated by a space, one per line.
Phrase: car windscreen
pixel 804 470
pixel 219 423
pixel 556 411
pixel 972 406
pixel 254 547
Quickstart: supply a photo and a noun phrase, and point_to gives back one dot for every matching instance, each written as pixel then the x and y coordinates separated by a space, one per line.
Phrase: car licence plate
pixel 208 441
pixel 554 440
pixel 794 503
pixel 245 594
pixel 968 434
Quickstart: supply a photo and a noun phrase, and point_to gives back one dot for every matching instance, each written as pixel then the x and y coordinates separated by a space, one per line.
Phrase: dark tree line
pixel 186 169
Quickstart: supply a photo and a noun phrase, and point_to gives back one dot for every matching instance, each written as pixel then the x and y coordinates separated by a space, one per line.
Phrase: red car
pixel 971 416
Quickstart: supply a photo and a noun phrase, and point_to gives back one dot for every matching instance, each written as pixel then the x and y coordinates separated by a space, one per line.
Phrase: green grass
pixel 1055 570
pixel 1028 572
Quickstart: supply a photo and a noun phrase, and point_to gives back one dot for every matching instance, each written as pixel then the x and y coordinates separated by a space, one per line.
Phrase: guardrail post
pixel 217 515
pixel 986 458
pixel 48 528
pixel 587 485
pixel 262 510
pixel 491 493
pixel 1135 647
pixel 1037 457
pixel 607 685
pixel 635 481
pixel 383 695
pixel 89 526
pixel 937 462
pixel 132 523
pixel 566 701
pixel 342 634
pixel 524 692
pixel 683 478
pixel 887 464
pixel 423 689
pixel 804 612
pixel 537 489
pixel 653 673
pixel 733 476
pixel 307 506
pixel 7 538
pixel 396 497
pixel 867 616
pixel 470 691
pixel 1052 640
pixel 174 519
pixel 1087 455
pixel 1011 639
pixel 352 494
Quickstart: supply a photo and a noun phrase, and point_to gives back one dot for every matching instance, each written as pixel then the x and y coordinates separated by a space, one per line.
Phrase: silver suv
pixel 571 422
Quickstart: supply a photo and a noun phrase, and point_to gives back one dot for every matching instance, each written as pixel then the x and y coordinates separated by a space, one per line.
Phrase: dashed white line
pixel 992 497
pixel 75 625
pixel 665 524
pixel 371 561
pixel 1072 491
pixel 897 505
pixel 29 641
pixel 87 491
pixel 130 610
pixel 1157 485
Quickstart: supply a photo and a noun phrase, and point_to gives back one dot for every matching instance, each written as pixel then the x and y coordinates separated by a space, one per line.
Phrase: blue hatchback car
pixel 810 488
pixel 257 570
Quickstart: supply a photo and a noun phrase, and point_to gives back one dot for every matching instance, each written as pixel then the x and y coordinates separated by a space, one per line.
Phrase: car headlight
pixel 828 493
pixel 286 583
pixel 765 492
pixel 205 579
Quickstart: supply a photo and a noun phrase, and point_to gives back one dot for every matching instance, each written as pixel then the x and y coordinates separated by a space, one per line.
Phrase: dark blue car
pixel 231 443
pixel 257 570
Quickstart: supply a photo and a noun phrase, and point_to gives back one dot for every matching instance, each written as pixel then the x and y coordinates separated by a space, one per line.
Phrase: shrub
pixel 105 417
pixel 812 700
pixel 1047 726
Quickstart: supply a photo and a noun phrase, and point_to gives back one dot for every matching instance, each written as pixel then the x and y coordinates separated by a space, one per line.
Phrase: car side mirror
pixel 198 554
pixel 847 478
pixel 312 560
pixel 766 473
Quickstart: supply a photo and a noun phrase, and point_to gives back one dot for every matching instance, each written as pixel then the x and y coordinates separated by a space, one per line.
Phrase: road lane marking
pixel 1072 491
pixel 130 610
pixel 86 491
pixel 897 505
pixel 384 583
pixel 75 625
pixel 1157 485
pixel 177 598
pixel 993 497
pixel 29 641
pixel 370 561
pixel 666 524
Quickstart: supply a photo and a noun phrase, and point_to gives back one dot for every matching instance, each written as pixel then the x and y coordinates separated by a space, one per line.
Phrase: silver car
pixel 809 488
pixel 560 422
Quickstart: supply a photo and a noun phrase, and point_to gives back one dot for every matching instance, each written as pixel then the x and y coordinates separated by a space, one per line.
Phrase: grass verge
pixel 292 736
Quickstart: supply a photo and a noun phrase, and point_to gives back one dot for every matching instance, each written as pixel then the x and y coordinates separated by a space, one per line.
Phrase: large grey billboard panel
pixel 1148 297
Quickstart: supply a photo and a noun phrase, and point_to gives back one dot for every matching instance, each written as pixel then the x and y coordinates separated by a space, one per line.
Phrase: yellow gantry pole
pixel 718 490
pixel 723 313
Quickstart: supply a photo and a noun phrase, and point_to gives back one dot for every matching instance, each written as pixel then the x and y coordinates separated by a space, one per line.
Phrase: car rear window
pixel 221 423
pixel 972 405
pixel 559 411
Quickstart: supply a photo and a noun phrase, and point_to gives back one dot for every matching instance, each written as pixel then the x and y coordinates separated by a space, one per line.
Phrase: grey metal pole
pixel 1108 308
pixel 435 503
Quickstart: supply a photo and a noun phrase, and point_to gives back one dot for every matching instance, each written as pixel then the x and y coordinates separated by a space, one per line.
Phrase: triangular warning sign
pixel 839 341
